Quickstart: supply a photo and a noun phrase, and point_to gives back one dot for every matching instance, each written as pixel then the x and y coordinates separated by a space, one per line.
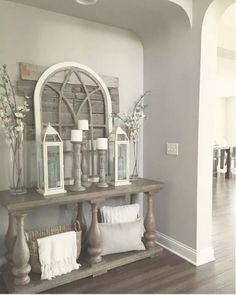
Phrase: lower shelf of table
pixel 36 285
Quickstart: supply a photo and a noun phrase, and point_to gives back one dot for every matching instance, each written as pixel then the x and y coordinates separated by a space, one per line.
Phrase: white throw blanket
pixel 57 254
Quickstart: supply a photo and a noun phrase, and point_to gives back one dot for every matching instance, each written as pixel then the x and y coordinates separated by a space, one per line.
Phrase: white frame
pixel 37 99
pixel 118 182
pixel 44 146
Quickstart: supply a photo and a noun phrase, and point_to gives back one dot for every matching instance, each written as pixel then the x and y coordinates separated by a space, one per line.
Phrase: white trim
pixel 53 69
pixel 195 257
pixel 205 256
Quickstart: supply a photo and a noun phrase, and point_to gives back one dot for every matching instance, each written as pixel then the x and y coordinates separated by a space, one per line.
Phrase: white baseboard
pixel 196 257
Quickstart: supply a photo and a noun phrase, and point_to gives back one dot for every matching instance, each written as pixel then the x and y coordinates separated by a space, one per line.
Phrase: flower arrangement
pixel 11 115
pixel 132 122
pixel 11 119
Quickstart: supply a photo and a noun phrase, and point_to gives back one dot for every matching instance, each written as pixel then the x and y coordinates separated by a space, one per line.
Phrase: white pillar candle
pixel 83 125
pixel 102 144
pixel 94 144
pixel 68 146
pixel 76 136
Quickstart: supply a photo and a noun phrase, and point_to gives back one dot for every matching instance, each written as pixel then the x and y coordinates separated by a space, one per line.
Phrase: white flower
pixel 19 115
pixel 11 115
pixel 132 121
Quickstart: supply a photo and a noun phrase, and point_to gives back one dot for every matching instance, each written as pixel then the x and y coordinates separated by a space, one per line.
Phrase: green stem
pixel 17 181
pixel 139 100
pixel 9 103
pixel 12 88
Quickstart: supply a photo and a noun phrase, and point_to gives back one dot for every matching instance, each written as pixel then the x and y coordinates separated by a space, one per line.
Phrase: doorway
pixel 209 90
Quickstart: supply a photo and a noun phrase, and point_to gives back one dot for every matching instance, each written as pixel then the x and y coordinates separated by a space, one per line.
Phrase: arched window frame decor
pixel 77 69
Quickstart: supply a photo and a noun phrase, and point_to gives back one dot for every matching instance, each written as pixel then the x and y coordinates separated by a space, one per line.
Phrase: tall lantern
pixel 50 164
pixel 119 157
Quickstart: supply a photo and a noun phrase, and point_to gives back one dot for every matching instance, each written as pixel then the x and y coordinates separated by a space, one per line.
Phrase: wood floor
pixel 171 274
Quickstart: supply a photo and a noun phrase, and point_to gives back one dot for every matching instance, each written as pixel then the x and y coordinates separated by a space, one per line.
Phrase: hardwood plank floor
pixel 171 274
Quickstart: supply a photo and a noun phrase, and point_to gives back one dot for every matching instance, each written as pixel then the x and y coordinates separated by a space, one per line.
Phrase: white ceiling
pixel 139 16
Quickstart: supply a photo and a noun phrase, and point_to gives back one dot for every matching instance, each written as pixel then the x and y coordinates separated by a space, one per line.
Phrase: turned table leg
pixel 150 224
pixel 222 159
pixel 94 238
pixel 80 217
pixel 20 255
pixel 10 238
pixel 228 173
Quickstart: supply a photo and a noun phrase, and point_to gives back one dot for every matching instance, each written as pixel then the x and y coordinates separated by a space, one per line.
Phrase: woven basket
pixel 32 237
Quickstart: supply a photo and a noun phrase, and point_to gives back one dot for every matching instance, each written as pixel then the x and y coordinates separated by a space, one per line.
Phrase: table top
pixel 32 199
pixel 219 147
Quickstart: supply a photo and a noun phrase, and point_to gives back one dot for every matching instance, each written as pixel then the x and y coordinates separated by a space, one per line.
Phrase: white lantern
pixel 119 157
pixel 50 164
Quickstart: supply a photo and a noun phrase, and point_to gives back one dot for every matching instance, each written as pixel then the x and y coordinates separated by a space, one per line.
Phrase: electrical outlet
pixel 172 149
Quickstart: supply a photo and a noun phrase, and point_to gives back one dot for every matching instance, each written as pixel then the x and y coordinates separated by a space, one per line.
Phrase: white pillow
pixel 121 237
pixel 119 214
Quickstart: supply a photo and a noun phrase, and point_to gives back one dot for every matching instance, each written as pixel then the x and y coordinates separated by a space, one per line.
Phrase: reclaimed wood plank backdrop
pixel 75 94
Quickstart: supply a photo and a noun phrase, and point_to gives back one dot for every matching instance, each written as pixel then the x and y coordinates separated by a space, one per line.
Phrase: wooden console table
pixel 222 150
pixel 16 272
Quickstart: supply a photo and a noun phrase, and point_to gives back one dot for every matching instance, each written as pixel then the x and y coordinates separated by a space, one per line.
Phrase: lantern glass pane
pixel 54 167
pixel 112 160
pixel 122 161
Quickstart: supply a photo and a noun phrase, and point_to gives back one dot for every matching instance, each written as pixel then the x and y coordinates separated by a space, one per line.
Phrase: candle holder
pixel 76 138
pixel 94 161
pixel 77 187
pixel 84 126
pixel 84 163
pixel 68 162
pixel 102 152
pixel 102 172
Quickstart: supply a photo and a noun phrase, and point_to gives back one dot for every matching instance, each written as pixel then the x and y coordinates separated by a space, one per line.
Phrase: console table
pixel 222 150
pixel 16 272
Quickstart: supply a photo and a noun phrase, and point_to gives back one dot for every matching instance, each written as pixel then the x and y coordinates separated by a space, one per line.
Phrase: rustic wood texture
pixel 10 237
pixel 84 165
pixel 73 95
pixel 77 187
pixel 33 72
pixel 110 262
pixel 94 238
pixel 34 200
pixel 228 173
pixel 80 217
pixel 20 254
pixel 21 267
pixel 133 198
pixel 150 224
pixel 170 274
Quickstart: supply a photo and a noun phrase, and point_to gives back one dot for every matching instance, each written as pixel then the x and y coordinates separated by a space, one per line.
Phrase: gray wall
pixel 40 37
pixel 172 69
pixel 168 72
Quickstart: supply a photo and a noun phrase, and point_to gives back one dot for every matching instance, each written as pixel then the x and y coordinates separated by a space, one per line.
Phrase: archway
pixel 205 127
